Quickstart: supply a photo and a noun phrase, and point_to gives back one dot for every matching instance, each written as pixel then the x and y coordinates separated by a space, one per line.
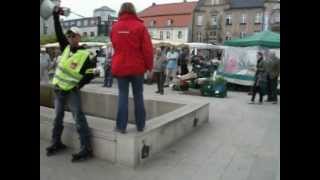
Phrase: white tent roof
pixel 90 44
pixel 202 45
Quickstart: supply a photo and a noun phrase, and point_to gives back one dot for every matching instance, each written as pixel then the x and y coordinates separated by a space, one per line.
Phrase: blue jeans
pixel 108 79
pixel 139 110
pixel 73 99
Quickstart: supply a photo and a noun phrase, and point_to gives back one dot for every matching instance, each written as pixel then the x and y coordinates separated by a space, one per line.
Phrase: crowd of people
pixel 266 78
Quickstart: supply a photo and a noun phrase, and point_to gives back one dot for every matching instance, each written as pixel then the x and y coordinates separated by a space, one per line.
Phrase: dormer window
pixel 152 23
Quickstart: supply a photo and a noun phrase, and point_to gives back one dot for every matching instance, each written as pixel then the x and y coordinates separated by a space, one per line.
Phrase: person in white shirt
pixel 172 57
pixel 44 66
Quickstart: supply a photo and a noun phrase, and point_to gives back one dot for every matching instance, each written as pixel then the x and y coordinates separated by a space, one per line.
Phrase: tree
pixel 45 39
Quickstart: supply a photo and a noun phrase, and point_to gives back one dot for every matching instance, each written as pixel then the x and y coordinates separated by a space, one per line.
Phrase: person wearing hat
pixel 75 69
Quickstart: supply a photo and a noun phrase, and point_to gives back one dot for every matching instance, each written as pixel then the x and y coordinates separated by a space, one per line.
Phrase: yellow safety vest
pixel 67 74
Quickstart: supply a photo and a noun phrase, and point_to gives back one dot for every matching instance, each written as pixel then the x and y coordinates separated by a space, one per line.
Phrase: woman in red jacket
pixel 133 56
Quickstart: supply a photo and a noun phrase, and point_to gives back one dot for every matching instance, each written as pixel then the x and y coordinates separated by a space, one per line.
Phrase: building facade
pixel 88 26
pixel 215 21
pixel 172 22
pixel 98 25
pixel 105 13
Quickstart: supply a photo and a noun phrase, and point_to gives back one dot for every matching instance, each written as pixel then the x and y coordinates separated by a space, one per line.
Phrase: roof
pixel 246 3
pixel 168 9
pixel 104 8
pixel 179 13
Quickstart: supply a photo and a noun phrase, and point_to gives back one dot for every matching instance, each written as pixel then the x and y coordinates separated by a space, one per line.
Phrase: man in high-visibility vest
pixel 75 69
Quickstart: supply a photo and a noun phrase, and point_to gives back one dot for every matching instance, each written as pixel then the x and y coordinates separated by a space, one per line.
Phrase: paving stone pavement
pixel 240 142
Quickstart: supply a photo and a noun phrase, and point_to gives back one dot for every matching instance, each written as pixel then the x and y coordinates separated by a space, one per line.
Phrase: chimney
pixel 184 1
pixel 153 4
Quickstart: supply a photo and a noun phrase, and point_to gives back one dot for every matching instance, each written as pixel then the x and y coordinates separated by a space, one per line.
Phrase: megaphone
pixel 47 7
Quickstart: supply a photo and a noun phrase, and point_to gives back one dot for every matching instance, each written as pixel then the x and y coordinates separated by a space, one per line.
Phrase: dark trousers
pixel 184 69
pixel 274 85
pixel 74 103
pixel 269 92
pixel 108 79
pixel 159 77
pixel 256 89
pixel 139 110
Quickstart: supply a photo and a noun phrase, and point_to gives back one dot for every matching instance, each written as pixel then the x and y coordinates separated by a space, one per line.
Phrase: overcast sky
pixel 86 7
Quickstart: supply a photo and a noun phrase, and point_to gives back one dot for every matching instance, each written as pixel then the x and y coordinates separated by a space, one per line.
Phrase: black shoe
pixel 122 131
pixel 157 92
pixel 55 148
pixel 140 129
pixel 161 93
pixel 82 155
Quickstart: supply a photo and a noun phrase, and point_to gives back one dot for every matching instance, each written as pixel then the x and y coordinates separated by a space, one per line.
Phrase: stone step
pixel 103 136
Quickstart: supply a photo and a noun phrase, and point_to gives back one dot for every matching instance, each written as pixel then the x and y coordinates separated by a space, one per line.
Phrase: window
pixel 199 20
pixel 161 35
pixel 85 22
pixel 78 23
pixel 243 19
pixel 258 18
pixel 214 20
pixel 199 36
pixel 228 36
pixel 169 22
pixel 242 34
pixel 85 34
pixel 179 34
pixel 93 22
pixel 215 2
pixel 229 20
pixel 152 23
pixel 151 33
pixel 168 34
pixel 91 34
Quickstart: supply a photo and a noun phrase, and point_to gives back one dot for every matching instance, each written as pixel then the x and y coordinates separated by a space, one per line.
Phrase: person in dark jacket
pixel 159 68
pixel 260 79
pixel 75 69
pixel 184 61
pixel 133 56
pixel 273 71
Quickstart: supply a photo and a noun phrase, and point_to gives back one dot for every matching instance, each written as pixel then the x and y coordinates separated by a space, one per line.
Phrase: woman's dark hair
pixel 260 54
pixel 127 7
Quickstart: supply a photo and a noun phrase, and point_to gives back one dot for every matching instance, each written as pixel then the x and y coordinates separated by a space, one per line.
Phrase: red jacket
pixel 133 52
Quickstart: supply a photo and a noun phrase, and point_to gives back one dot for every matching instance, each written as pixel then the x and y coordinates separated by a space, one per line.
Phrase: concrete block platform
pixel 168 120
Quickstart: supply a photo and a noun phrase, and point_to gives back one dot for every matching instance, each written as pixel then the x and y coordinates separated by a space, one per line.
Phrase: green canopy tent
pixel 266 39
